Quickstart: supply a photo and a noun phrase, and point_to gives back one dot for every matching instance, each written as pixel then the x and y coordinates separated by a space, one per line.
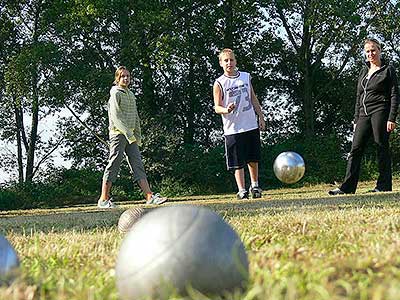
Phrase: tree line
pixel 304 57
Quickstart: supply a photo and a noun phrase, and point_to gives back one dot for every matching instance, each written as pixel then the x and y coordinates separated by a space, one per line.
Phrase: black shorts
pixel 242 148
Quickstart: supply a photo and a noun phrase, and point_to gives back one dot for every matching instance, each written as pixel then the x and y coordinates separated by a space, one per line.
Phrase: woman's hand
pixel 390 126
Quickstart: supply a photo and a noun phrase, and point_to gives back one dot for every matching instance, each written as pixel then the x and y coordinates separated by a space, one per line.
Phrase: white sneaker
pixel 156 199
pixel 106 204
pixel 243 194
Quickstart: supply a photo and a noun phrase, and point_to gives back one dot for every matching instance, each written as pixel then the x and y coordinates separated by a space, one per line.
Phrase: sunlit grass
pixel 301 244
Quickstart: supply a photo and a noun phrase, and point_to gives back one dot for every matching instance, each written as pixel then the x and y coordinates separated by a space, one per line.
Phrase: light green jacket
pixel 123 115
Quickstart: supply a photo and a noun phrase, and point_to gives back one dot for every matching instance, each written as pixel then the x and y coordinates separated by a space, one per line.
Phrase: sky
pixel 47 128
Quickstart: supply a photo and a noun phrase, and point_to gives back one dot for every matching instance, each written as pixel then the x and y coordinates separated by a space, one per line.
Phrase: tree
pixel 27 76
pixel 318 38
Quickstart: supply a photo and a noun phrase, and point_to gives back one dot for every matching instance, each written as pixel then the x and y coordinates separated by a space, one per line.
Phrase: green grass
pixel 301 244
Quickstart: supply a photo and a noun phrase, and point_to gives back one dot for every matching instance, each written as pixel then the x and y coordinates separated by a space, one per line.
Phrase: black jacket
pixel 379 92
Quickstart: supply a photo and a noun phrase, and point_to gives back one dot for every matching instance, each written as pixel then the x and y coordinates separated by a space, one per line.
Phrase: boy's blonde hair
pixel 226 51
pixel 118 73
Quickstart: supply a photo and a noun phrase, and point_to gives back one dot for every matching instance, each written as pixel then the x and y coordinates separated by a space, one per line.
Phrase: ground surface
pixel 301 243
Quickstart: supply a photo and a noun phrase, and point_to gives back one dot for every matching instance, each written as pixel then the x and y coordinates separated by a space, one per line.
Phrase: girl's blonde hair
pixel 118 73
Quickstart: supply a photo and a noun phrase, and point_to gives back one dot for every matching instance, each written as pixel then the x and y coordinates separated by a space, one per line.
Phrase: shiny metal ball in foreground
pixel 9 262
pixel 289 167
pixel 176 248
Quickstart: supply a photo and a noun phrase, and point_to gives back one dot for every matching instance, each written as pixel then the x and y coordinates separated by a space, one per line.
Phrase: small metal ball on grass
pixel 128 218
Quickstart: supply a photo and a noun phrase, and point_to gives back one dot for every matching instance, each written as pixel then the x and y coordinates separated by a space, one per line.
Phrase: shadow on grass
pixel 348 202
pixel 90 218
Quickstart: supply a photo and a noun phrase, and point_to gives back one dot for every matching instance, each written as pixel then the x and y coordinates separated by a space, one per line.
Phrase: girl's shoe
pixel 106 204
pixel 156 199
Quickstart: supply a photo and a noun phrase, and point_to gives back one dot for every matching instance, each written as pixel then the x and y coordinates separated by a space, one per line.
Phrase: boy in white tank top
pixel 242 117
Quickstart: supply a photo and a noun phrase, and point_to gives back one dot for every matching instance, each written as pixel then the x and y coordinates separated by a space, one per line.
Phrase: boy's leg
pixel 253 155
pixel 253 170
pixel 240 182
pixel 239 177
pixel 235 153
pixel 254 189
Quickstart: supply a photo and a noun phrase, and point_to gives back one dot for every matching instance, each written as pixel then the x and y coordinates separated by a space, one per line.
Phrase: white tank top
pixel 236 89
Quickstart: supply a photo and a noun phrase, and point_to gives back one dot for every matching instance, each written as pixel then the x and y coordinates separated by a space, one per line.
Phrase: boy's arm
pixel 218 103
pixel 257 108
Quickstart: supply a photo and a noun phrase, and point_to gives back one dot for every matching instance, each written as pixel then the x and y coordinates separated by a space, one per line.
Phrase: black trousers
pixel 373 125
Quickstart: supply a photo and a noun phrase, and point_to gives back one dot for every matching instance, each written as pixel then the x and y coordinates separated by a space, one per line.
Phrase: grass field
pixel 301 244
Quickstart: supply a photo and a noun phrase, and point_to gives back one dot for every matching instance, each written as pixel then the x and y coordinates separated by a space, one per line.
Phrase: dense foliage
pixel 58 57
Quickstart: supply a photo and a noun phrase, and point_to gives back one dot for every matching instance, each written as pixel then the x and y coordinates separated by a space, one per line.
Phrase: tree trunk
pixel 189 115
pixel 124 33
pixel 150 101
pixel 34 128
pixel 30 159
pixel 148 86
pixel 308 103
pixel 305 51
pixel 228 30
pixel 19 133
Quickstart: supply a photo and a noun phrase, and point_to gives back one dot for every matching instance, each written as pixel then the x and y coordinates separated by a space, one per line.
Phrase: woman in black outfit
pixel 375 115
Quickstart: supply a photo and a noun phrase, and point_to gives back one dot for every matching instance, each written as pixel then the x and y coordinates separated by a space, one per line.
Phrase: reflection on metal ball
pixel 9 262
pixel 289 167
pixel 128 218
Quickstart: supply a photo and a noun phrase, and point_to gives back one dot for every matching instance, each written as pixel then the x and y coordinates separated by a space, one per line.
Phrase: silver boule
pixel 172 248
pixel 128 218
pixel 289 167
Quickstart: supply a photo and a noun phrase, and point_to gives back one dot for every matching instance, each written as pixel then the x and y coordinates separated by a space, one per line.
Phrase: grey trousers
pixel 119 146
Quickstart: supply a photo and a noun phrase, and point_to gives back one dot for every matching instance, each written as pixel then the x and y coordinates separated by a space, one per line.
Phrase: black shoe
pixel 376 190
pixel 255 192
pixel 335 192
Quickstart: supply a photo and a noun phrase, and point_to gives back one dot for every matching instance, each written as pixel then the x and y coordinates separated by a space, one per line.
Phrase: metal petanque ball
pixel 9 262
pixel 176 248
pixel 128 218
pixel 289 167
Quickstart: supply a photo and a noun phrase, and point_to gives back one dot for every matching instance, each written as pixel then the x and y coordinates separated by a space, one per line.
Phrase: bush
pixel 190 170
pixel 202 170
pixel 9 200
pixel 323 158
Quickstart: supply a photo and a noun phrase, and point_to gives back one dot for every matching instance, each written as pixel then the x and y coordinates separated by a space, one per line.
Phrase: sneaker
pixel 242 195
pixel 376 190
pixel 255 192
pixel 106 204
pixel 156 199
pixel 335 192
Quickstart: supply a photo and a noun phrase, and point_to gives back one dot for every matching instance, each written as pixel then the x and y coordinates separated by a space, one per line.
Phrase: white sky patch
pixel 47 128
